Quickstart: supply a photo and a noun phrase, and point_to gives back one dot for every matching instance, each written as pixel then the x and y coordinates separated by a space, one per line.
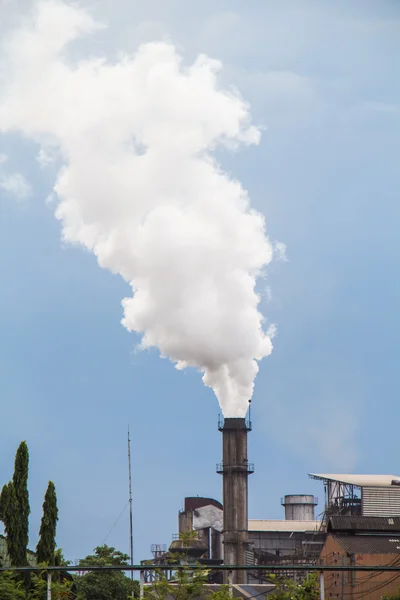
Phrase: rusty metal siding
pixel 361 586
pixel 383 502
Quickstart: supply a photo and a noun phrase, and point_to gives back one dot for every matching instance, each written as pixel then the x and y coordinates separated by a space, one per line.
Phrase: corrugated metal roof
pixel 369 544
pixel 358 523
pixel 283 525
pixel 358 480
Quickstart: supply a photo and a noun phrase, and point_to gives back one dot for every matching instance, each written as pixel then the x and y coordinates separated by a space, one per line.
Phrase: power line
pixel 122 512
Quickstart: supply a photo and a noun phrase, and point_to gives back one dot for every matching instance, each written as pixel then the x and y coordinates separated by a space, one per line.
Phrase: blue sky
pixel 322 78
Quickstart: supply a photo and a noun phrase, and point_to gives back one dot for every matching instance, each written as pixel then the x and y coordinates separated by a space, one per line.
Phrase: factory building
pixel 368 541
pixel 283 542
pixel 205 517
pixel 364 495
pixel 213 533
pixel 299 538
pixel 268 541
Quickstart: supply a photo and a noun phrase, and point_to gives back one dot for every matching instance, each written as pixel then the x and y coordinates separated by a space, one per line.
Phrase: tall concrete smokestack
pixel 235 469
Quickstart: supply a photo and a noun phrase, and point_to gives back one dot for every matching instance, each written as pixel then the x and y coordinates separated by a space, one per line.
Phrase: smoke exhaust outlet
pixel 235 470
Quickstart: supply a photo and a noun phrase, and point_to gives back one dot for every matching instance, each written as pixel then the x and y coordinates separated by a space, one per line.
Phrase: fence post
pixel 48 585
pixel 230 581
pixel 321 586
pixel 141 593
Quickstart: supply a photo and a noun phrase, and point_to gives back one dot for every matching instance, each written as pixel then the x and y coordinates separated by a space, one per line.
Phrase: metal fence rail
pixel 142 568
pixel 151 567
pixel 321 569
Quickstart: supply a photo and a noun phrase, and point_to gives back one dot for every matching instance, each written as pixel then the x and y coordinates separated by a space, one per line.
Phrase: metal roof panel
pixel 369 544
pixel 357 480
pixel 359 523
pixel 283 525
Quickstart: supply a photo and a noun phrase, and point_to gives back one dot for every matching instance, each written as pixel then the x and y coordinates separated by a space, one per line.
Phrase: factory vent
pixel 299 507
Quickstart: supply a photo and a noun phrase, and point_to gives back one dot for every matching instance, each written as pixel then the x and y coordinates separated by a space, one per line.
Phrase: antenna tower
pixel 130 504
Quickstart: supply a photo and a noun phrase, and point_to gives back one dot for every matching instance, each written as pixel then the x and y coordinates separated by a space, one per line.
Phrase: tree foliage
pixel 61 589
pixel 59 560
pixel 46 546
pixel 394 597
pixel 9 515
pixel 289 589
pixel 11 588
pixel 15 509
pixel 187 585
pixel 105 555
pixel 105 585
pixel 20 484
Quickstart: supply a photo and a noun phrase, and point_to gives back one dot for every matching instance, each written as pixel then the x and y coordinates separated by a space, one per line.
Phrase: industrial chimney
pixel 235 469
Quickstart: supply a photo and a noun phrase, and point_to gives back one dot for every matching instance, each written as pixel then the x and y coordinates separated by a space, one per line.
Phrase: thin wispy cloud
pixel 15 184
pixel 46 157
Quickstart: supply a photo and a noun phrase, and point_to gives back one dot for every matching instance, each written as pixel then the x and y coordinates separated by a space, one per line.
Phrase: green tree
pixel 9 516
pixel 59 560
pixel 10 587
pixel 61 589
pixel 105 585
pixel 46 546
pixel 14 508
pixel 288 589
pixel 223 593
pixel 188 584
pixel 14 511
pixel 3 502
pixel 20 484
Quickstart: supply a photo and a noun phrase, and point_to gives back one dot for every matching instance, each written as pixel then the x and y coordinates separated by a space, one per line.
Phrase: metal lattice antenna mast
pixel 130 503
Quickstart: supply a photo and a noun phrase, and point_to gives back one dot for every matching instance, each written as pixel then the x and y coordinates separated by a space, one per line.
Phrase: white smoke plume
pixel 140 188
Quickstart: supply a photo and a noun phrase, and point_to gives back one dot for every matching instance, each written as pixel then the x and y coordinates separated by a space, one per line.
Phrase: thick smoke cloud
pixel 140 188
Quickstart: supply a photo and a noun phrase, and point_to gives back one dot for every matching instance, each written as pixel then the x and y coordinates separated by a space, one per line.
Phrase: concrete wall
pixel 185 520
pixel 4 558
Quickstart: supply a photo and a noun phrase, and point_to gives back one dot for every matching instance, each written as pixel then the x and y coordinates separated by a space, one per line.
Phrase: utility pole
pixel 130 504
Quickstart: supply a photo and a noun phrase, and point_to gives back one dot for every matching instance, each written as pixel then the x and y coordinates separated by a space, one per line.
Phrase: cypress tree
pixel 14 509
pixel 20 485
pixel 47 535
pixel 3 502
pixel 9 516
